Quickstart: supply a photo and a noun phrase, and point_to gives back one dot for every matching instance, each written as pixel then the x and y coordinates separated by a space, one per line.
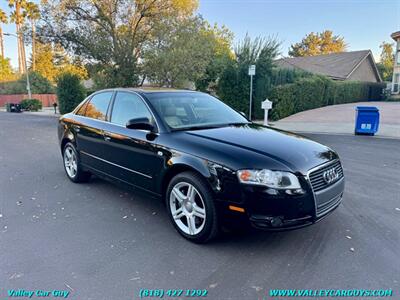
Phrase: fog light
pixel 295 192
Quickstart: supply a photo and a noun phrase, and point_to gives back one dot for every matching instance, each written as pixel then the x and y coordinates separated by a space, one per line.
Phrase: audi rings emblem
pixel 330 175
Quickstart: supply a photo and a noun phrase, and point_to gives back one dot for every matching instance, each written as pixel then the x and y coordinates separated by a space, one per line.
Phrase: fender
pixel 178 162
pixel 64 133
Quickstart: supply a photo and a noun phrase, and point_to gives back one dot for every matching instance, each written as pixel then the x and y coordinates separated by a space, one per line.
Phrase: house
pixel 396 66
pixel 352 65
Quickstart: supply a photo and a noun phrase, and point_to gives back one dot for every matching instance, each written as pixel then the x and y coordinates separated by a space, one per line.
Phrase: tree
pixel 51 60
pixel 318 43
pixel 222 56
pixel 111 33
pixel 385 65
pixel 32 13
pixel 6 71
pixel 70 92
pixel 44 61
pixel 3 20
pixel 39 83
pixel 180 55
pixel 17 17
pixel 234 84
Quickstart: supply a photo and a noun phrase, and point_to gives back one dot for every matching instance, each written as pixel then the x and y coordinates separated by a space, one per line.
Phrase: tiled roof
pixel 336 65
pixel 395 35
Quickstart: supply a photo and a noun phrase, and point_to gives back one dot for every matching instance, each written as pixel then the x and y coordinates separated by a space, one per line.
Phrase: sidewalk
pixel 340 119
pixel 46 111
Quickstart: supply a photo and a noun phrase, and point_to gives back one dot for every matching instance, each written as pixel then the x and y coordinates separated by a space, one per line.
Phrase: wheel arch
pixel 178 168
pixel 68 137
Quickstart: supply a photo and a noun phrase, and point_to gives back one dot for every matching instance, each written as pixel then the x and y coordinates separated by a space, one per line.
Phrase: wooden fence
pixel 47 99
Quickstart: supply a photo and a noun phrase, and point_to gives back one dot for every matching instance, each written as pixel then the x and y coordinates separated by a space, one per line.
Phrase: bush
pixel 31 104
pixel 318 91
pixel 70 92
pixel 234 85
pixel 39 85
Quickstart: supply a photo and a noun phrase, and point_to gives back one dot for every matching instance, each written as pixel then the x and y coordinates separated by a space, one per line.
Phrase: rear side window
pixel 98 105
pixel 81 111
pixel 129 106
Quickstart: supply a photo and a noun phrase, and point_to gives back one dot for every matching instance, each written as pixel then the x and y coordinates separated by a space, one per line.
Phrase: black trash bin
pixel 13 107
pixel 18 108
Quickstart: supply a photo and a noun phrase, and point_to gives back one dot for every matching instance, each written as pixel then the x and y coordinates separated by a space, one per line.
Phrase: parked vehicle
pixel 204 159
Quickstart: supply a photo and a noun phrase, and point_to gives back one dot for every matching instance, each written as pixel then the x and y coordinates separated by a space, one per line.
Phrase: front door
pixel 132 152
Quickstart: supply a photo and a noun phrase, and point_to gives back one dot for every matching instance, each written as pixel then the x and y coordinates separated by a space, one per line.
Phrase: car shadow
pixel 240 239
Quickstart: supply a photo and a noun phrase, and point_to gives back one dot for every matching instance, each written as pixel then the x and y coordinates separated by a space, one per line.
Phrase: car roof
pixel 150 90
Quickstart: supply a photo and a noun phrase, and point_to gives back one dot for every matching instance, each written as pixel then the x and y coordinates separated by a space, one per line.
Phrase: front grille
pixel 316 177
pixel 326 207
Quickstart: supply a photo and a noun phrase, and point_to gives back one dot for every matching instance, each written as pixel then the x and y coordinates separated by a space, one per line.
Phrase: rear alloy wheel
pixel 191 207
pixel 72 165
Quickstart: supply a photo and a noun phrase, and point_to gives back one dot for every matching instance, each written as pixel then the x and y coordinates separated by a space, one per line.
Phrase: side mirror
pixel 140 123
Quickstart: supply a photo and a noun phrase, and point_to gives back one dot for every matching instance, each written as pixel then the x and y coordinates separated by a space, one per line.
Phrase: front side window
pixel 184 110
pixel 398 57
pixel 98 105
pixel 128 106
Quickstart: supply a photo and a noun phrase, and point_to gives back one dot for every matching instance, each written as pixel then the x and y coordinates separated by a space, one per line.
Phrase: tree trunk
pixel 21 65
pixel 20 70
pixel 33 46
pixel 24 65
pixel 1 42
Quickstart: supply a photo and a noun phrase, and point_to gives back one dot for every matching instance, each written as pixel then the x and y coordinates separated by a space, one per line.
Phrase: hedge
pixel 39 85
pixel 318 91
pixel 31 104
pixel 70 92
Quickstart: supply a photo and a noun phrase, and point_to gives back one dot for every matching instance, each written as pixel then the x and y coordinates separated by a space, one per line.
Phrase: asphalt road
pixel 101 241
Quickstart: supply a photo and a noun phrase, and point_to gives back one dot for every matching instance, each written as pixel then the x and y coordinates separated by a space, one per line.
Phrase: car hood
pixel 296 152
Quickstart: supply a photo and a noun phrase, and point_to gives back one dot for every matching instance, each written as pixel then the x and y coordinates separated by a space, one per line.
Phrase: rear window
pixel 98 105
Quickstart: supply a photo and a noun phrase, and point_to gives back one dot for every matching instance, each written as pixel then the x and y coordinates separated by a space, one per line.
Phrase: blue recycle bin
pixel 367 120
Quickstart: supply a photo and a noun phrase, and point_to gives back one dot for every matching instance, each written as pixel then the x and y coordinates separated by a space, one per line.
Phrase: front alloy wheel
pixel 191 207
pixel 187 208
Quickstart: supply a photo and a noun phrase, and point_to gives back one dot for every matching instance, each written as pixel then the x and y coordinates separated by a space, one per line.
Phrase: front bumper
pixel 275 210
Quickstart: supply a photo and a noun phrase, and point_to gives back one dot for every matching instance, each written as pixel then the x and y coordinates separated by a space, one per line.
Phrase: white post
pixel 252 72
pixel 266 117
pixel 251 95
pixel 266 106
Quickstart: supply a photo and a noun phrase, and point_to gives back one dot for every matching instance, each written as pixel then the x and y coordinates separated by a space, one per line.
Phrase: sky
pixel 364 24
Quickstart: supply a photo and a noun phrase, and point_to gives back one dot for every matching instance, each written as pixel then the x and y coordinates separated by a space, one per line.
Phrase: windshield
pixel 193 110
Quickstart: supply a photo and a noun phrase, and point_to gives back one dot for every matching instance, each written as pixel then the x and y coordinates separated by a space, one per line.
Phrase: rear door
pixel 132 152
pixel 89 131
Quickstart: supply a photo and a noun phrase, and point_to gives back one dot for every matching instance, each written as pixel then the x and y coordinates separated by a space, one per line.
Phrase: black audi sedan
pixel 206 161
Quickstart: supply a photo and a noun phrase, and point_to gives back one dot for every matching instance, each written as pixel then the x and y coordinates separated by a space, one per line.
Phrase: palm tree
pixel 18 18
pixel 3 20
pixel 32 13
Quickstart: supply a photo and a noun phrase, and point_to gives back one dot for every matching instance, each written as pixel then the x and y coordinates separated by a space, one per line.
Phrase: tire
pixel 191 208
pixel 72 165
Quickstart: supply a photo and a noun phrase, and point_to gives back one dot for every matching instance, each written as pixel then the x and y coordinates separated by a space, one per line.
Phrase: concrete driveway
pixel 101 241
pixel 340 119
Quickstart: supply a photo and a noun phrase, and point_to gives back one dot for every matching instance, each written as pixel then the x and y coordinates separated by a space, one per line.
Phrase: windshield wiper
pixel 199 127
pixel 237 123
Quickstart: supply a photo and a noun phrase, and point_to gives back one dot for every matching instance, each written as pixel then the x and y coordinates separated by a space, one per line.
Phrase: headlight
pixel 273 179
